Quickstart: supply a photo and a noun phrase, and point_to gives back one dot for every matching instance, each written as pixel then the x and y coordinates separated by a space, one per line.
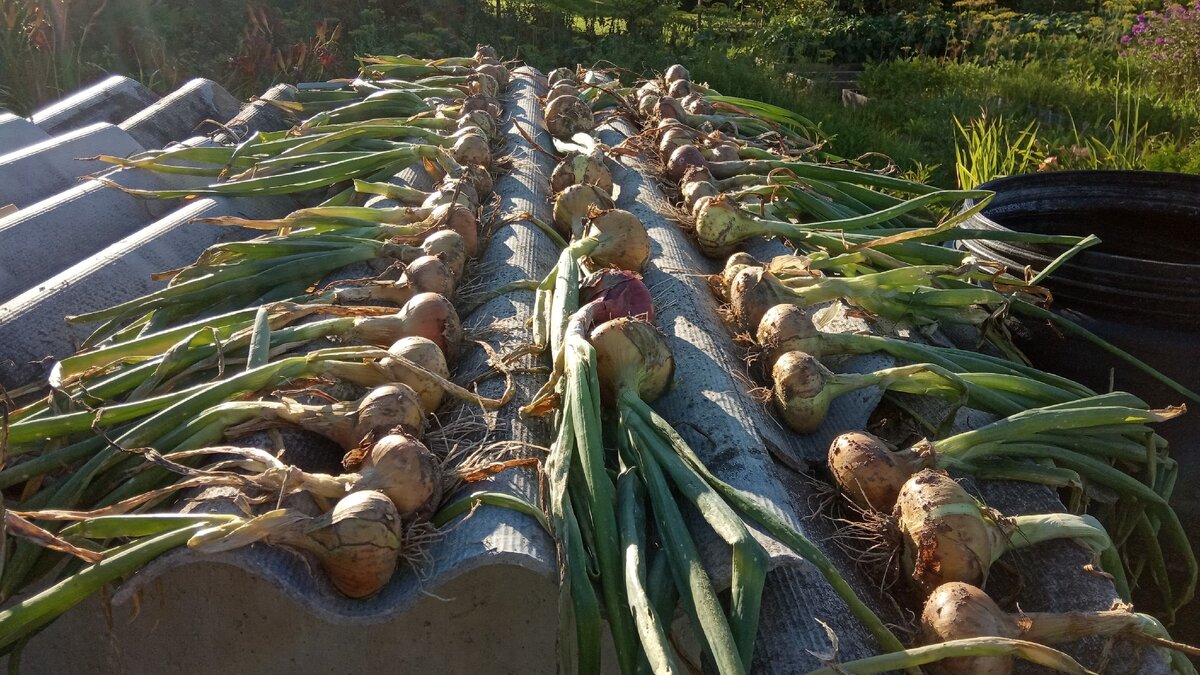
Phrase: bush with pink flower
pixel 1166 45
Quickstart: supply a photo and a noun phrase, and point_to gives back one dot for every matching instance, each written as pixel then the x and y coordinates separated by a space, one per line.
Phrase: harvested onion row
pixel 164 368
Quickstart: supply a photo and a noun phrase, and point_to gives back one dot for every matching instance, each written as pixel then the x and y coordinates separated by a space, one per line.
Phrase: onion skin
pixel 683 158
pixel 945 535
pixel 956 611
pixel 429 274
pixel 578 168
pixel 799 391
pixel 449 247
pixel 679 89
pixel 401 467
pixel 693 191
pixel 479 178
pixel 676 72
pixel 567 116
pixel 783 328
pixel 675 136
pixel 472 148
pixel 496 71
pixel 358 543
pixel 485 51
pixel 623 242
pixel 431 316
pixel 561 89
pixel 752 293
pixel 696 104
pixel 667 107
pixel 425 353
pixel 718 224
pixel 573 205
pixel 560 75
pixel 616 293
pixel 868 471
pixel 631 354
pixel 458 219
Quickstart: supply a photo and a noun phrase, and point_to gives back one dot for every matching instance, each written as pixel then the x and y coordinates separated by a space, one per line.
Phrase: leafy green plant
pixel 988 150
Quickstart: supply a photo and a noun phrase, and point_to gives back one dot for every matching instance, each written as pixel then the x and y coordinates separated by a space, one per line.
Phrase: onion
pixel 560 75
pixel 479 178
pixel 478 119
pixel 497 72
pixel 567 116
pixel 956 611
pixel 480 102
pixel 696 104
pixel 752 293
pixel 347 423
pixel 561 89
pixel 425 353
pixel 783 328
pixel 357 542
pixel 723 152
pixel 432 316
pixel 453 191
pixel 449 247
pixel 650 88
pixel 472 148
pixel 574 204
pixel 483 82
pixel 667 107
pixel 679 89
pixel 577 168
pixel 675 136
pixel 616 293
pixel 947 536
pixel 621 240
pixel 401 467
pixel 868 471
pixel 693 191
pixel 458 219
pixel 485 51
pixel 647 105
pixel 427 274
pixel 800 392
pixel 682 158
pixel 675 73
pixel 631 354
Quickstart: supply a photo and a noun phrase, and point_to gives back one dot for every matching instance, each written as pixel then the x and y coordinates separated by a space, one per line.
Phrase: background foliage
pixel 1070 83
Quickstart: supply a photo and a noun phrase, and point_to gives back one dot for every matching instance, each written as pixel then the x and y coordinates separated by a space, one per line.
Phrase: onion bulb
pixel 631 354
pixel 615 293
pixel 574 204
pixel 620 240
pixel 357 542
pixel 425 353
pixel 696 104
pixel 427 315
pixel 577 168
pixel 560 75
pixel 956 611
pixel 471 148
pixel 497 72
pixel 948 536
pixel 561 89
pixel 567 116
pixel 679 89
pixel 676 72
pixel 401 467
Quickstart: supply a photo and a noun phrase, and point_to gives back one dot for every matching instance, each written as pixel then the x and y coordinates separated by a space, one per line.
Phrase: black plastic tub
pixel 1138 289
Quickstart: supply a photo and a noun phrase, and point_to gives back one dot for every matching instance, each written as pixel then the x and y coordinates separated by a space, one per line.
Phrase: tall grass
pixel 989 150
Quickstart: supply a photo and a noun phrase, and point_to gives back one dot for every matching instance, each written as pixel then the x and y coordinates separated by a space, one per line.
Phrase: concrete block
pixel 33 173
pixel 31 324
pixel 181 113
pixel 258 115
pixel 18 132
pixel 49 236
pixel 110 100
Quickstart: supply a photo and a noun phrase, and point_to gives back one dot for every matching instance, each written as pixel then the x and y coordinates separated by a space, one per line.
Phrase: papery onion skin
pixel 623 242
pixel 676 72
pixel 868 471
pixel 575 203
pixel 357 543
pixel 401 467
pixel 567 116
pixel 955 611
pixel 432 316
pixel 631 353
pixel 945 535
pixel 616 293
pixel 425 353
pixel 799 392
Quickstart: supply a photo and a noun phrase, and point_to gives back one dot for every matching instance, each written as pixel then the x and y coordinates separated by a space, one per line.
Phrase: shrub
pixel 1166 45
